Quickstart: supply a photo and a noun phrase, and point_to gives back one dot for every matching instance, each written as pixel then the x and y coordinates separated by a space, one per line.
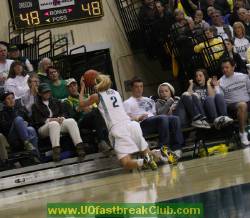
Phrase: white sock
pixel 140 163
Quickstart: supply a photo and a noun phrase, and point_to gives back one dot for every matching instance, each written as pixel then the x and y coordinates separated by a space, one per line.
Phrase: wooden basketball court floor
pixel 189 178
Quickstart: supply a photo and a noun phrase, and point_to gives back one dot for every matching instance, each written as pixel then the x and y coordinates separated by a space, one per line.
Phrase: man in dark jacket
pixel 50 120
pixel 14 124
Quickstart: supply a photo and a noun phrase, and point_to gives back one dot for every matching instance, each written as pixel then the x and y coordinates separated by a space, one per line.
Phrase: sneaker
pixel 80 150
pixel 56 154
pixel 172 157
pixel 178 153
pixel 222 121
pixel 148 162
pixel 200 124
pixel 244 139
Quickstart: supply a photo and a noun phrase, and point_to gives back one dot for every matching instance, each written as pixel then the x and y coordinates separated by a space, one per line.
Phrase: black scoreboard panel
pixel 35 13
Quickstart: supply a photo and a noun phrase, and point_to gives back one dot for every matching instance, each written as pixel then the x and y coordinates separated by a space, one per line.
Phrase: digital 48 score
pixel 32 14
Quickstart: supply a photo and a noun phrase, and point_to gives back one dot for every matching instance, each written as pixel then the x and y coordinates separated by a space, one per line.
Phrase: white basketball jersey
pixel 111 108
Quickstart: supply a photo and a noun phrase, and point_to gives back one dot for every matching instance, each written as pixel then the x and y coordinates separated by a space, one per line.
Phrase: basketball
pixel 89 78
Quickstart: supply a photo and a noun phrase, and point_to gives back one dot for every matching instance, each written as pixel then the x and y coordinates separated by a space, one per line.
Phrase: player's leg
pixel 128 163
pixel 137 137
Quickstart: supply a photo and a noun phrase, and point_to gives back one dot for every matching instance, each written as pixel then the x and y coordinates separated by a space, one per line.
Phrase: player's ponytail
pixel 103 83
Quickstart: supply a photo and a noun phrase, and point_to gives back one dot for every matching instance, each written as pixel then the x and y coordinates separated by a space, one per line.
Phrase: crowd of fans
pixel 38 104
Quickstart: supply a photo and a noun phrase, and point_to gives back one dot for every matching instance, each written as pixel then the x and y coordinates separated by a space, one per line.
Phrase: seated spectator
pixel 210 10
pixel 49 119
pixel 213 47
pixel 87 118
pixel 236 88
pixel 14 124
pixel 43 66
pixel 183 107
pixel 241 43
pixel 58 86
pixel 4 66
pixel 15 54
pixel 210 103
pixel 17 80
pixel 142 109
pixel 244 18
pixel 30 96
pixel 221 29
pixel 199 24
pixel 240 65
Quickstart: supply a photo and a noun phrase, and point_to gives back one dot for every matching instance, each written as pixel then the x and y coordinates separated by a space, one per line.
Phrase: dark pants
pixel 211 107
pixel 164 126
pixel 94 121
pixel 187 111
pixel 19 133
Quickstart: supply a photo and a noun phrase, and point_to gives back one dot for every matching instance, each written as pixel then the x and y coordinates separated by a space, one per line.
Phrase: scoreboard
pixel 36 13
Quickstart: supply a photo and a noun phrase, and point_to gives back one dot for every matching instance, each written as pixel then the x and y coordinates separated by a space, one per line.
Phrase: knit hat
pixel 172 90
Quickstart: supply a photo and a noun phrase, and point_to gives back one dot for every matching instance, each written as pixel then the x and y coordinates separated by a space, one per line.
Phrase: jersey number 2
pixel 114 100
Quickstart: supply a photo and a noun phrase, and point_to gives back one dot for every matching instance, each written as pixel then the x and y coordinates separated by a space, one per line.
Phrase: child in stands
pixel 209 103
pixel 183 107
pixel 126 134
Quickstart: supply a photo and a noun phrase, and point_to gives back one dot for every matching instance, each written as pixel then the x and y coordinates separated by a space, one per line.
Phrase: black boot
pixel 80 150
pixel 56 155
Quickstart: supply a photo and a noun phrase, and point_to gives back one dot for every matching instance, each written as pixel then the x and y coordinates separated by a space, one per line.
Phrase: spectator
pixel 210 11
pixel 241 43
pixel 240 64
pixel 244 18
pixel 221 29
pixel 43 66
pixel 213 47
pixel 221 5
pixel 30 96
pixel 183 107
pixel 49 119
pixel 4 66
pixel 15 54
pixel 236 88
pixel 87 118
pixel 17 80
pixel 148 12
pixel 57 85
pixel 210 104
pixel 187 6
pixel 142 109
pixel 199 24
pixel 14 124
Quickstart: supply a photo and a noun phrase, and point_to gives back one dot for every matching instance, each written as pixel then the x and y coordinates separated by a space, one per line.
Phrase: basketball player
pixel 126 134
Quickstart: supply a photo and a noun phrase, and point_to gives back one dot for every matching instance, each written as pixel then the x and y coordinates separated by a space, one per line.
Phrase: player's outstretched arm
pixel 91 99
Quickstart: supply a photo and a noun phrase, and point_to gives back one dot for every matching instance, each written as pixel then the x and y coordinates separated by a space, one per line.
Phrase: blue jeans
pixel 164 125
pixel 212 107
pixel 187 110
pixel 20 132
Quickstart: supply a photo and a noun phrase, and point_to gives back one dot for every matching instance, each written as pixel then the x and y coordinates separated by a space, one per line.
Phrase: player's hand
pixel 82 84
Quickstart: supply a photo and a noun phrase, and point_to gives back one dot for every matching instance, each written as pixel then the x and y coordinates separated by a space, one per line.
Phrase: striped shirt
pixel 235 88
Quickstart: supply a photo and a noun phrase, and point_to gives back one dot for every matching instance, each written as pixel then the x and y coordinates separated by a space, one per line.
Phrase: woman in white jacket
pixel 17 80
